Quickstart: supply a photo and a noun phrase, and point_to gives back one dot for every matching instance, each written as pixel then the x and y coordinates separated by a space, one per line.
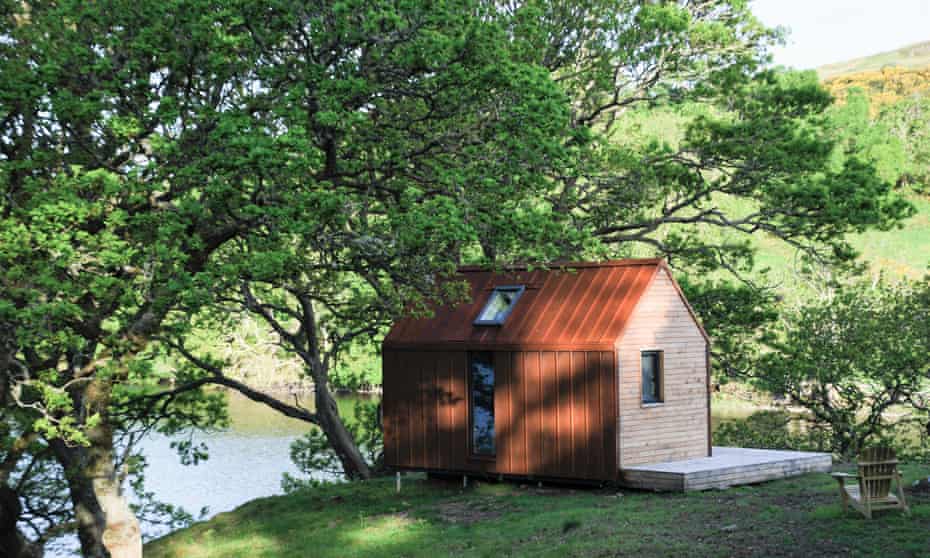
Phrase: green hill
pixel 909 57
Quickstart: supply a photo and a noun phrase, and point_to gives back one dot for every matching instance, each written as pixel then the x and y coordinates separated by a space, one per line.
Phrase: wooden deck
pixel 726 467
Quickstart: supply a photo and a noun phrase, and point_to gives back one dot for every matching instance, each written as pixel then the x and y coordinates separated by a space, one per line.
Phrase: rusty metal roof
pixel 579 305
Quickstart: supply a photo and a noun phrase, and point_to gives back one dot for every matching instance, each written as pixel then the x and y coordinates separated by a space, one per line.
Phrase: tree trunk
pixel 353 464
pixel 12 542
pixel 107 527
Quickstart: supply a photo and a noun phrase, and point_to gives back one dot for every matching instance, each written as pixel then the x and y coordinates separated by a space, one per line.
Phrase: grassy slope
pixel 794 517
pixel 911 56
pixel 901 252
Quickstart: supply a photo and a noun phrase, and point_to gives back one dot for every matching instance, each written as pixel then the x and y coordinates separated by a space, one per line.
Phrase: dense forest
pixel 174 174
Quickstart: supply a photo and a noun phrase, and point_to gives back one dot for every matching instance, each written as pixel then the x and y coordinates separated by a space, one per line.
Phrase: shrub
pixel 853 360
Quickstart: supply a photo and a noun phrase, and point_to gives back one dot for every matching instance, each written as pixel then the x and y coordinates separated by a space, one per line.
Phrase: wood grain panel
pixel 518 421
pixel 549 414
pixel 676 429
pixel 460 410
pixel 443 409
pixel 532 414
pixel 579 415
pixel 564 411
pixel 503 413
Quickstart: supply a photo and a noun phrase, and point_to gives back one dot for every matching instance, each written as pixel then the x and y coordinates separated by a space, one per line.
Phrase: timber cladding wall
pixel 677 428
pixel 555 413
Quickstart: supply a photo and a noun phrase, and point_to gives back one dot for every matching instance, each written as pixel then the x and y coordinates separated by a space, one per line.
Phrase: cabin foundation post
pixel 397 481
pixel 464 481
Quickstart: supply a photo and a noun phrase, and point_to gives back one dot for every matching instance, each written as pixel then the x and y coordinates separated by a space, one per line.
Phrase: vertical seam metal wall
pixel 556 413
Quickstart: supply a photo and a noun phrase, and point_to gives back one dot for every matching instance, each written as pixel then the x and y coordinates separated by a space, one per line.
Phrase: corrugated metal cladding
pixel 555 413
pixel 583 306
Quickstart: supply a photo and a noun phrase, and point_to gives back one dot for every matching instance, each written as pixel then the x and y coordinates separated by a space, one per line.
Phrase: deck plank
pixel 726 467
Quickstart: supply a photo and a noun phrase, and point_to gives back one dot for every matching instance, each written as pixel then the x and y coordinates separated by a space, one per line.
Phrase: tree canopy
pixel 158 157
pixel 326 166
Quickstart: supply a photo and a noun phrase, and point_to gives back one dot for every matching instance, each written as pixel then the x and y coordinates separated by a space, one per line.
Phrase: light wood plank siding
pixel 677 428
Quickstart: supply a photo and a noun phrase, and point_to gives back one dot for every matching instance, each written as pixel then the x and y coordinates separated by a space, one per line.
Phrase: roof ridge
pixel 624 262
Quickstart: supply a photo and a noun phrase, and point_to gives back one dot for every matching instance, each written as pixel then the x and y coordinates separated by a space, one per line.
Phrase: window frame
pixel 518 292
pixel 659 380
pixel 472 453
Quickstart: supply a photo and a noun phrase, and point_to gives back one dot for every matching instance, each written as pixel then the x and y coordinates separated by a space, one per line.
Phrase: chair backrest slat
pixel 876 471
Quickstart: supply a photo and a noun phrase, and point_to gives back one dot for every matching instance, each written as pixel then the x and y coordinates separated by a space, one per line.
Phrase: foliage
pixel 737 317
pixel 886 86
pixel 159 157
pixel 36 480
pixel 911 440
pixel 358 369
pixel 867 139
pixel 428 519
pixel 769 430
pixel 252 354
pixel 852 358
pixel 744 134
pixel 411 129
pixel 781 429
pixel 157 516
pixel 740 316
pixel 317 461
pixel 898 100
pixel 909 121
pixel 40 483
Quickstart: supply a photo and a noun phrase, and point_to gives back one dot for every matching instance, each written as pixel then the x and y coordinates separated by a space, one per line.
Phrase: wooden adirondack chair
pixel 878 468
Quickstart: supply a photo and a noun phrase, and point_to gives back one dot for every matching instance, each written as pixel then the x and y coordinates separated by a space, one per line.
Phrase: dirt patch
pixel 470 512
pixel 801 501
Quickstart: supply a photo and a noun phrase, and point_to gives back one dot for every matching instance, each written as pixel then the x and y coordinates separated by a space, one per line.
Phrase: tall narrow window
pixel 652 376
pixel 482 403
pixel 499 305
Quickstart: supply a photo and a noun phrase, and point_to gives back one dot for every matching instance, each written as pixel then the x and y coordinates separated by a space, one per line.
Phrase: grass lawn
pixel 794 517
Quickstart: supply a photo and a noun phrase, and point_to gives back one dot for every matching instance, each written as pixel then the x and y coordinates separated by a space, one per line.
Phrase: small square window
pixel 652 376
pixel 499 305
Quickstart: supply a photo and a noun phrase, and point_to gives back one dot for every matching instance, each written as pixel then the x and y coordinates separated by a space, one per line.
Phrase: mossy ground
pixel 794 517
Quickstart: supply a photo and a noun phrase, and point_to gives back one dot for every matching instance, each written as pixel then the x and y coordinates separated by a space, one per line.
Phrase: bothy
pixel 568 373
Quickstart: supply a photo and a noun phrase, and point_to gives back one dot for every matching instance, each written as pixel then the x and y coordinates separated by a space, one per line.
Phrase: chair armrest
pixel 840 477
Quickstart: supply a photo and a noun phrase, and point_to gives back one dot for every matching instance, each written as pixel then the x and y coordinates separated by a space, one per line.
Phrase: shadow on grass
pixel 794 517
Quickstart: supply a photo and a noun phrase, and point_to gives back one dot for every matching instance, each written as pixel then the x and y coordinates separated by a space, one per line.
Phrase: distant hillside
pixel 887 76
pixel 883 86
pixel 908 57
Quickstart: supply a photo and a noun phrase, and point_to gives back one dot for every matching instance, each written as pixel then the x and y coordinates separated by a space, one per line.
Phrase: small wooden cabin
pixel 568 373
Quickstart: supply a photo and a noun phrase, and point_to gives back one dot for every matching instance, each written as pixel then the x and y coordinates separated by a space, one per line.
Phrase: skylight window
pixel 499 305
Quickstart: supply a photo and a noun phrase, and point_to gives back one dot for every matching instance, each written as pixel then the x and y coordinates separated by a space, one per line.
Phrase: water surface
pixel 246 460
